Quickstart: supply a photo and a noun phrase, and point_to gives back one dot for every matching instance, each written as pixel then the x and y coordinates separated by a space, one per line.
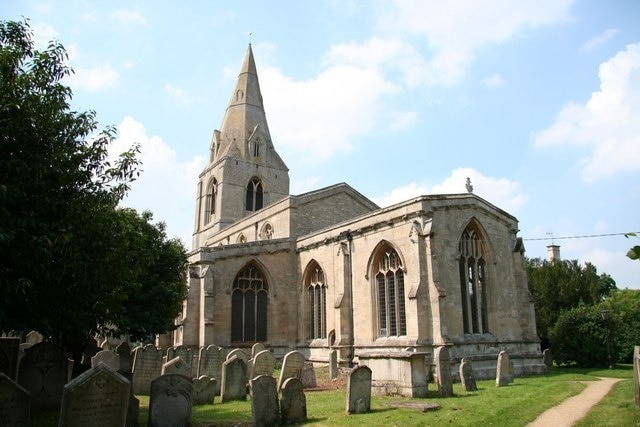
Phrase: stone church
pixel 330 270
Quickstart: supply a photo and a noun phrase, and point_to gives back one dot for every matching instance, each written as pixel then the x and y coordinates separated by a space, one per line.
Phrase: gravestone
pixel 170 401
pixel 264 401
pixel 210 361
pixel 15 403
pixel 359 390
pixel 333 364
pixel 547 358
pixel 443 372
pixel 238 352
pixel 466 376
pixel 204 390
pixel 98 397
pixel 504 374
pixel 636 374
pixel 43 372
pixel 147 364
pixel 124 352
pixel 91 349
pixel 234 380
pixel 180 351
pixel 9 351
pixel 308 376
pixel 293 402
pixel 108 357
pixel 176 366
pixel 264 363
pixel 257 348
pixel 34 337
pixel 291 366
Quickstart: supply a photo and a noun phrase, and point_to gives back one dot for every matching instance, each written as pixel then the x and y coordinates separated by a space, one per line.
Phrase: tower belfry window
pixel 254 197
pixel 256 147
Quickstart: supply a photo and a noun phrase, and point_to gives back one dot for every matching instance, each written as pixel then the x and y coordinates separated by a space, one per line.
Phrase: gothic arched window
pixel 316 290
pixel 473 282
pixel 254 195
pixel 249 306
pixel 210 201
pixel 389 281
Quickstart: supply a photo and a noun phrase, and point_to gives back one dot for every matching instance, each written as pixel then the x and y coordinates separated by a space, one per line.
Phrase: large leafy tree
pixel 562 285
pixel 70 260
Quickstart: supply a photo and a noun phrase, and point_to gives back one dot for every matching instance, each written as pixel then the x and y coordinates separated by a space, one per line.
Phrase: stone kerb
pixel 504 372
pixel 176 366
pixel 265 410
pixel 210 364
pixel 291 367
pixel 108 357
pixel 359 390
pixel 466 376
pixel 15 403
pixel 170 401
pixel 234 380
pixel 293 402
pixel 204 390
pixel 43 372
pixel 443 372
pixel 98 397
pixel 147 365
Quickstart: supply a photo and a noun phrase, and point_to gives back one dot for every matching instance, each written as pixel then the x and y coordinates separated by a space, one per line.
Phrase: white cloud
pixel 177 93
pixel 493 81
pixel 599 40
pixel 498 191
pixel 167 185
pixel 43 33
pixel 608 124
pixel 129 17
pixel 403 119
pixel 96 78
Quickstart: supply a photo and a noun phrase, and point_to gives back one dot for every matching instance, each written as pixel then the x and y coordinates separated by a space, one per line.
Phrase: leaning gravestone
pixel 176 366
pixel 293 403
pixel 98 397
pixel 443 372
pixel 147 364
pixel 291 366
pixel 170 401
pixel 180 351
pixel 257 348
pixel 124 352
pixel 503 372
pixel 333 364
pixel 264 401
pixel 234 380
pixel 210 364
pixel 359 390
pixel 108 357
pixel 238 352
pixel 308 376
pixel 264 363
pixel 43 372
pixel 15 403
pixel 204 390
pixel 547 358
pixel 466 376
pixel 9 350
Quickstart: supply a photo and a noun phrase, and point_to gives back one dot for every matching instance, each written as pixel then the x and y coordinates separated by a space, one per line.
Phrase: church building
pixel 329 270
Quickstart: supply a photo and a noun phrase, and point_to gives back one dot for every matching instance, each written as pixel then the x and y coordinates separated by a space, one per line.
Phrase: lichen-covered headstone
pixel 204 390
pixel 147 365
pixel 43 372
pixel 234 380
pixel 466 376
pixel 359 390
pixel 170 401
pixel 291 367
pixel 264 363
pixel 265 410
pixel 293 402
pixel 176 366
pixel 547 358
pixel 108 357
pixel 443 372
pixel 257 348
pixel 210 361
pixel 504 375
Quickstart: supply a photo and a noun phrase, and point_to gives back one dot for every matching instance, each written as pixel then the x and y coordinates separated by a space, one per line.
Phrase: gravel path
pixel 576 407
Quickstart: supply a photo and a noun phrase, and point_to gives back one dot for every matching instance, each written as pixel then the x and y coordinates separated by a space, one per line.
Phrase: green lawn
pixel 515 405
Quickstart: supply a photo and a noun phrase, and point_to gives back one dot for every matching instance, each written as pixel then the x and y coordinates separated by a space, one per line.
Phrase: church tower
pixel 244 173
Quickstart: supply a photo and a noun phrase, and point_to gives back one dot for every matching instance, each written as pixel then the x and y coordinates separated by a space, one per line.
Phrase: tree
pixel 561 285
pixel 70 261
pixel 623 307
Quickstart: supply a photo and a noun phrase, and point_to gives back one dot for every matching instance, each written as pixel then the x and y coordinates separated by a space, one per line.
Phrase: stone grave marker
pixel 547 358
pixel 34 337
pixel 170 401
pixel 180 351
pixel 239 353
pixel 98 397
pixel 293 402
pixel 257 348
pixel 123 350
pixel 443 372
pixel 264 363
pixel 15 403
pixel 210 364
pixel 234 380
pixel 176 366
pixel 43 372
pixel 308 376
pixel 91 349
pixel 466 376
pixel 204 390
pixel 147 364
pixel 291 366
pixel 108 357
pixel 359 390
pixel 264 401
pixel 636 374
pixel 333 364
pixel 504 375
pixel 9 351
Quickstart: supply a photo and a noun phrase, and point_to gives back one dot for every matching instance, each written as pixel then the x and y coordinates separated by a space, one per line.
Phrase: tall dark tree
pixel 70 261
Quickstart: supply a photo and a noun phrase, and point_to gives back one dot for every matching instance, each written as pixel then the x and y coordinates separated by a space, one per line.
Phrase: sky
pixel 537 102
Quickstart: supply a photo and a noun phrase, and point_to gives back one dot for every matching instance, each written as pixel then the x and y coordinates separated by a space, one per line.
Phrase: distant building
pixel 329 270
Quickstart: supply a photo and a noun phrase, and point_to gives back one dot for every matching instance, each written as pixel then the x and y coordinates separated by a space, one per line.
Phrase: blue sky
pixel 538 102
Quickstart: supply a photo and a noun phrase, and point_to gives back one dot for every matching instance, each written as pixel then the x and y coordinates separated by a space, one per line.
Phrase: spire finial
pixel 249 33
